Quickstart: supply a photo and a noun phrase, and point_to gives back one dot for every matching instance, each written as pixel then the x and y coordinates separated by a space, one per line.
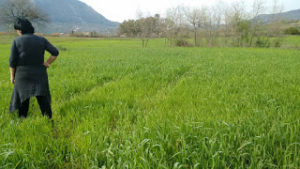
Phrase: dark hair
pixel 24 26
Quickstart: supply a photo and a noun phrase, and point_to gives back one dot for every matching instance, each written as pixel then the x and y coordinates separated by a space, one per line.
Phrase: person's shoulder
pixel 38 37
pixel 25 36
pixel 17 39
pixel 41 39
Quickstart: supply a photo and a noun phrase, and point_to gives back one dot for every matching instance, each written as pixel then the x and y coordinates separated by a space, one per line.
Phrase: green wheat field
pixel 118 105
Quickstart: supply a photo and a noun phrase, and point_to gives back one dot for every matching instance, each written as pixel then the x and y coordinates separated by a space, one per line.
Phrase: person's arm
pixel 12 75
pixel 49 61
pixel 13 59
pixel 54 53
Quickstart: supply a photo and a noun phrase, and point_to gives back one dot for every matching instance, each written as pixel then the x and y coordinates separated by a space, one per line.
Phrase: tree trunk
pixel 146 42
pixel 165 42
pixel 195 35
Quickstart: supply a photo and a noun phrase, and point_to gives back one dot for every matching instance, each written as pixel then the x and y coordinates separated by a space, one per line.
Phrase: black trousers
pixel 43 103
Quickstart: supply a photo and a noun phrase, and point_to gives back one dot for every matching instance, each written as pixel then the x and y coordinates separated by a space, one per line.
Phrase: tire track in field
pixel 96 86
pixel 101 85
pixel 183 70
pixel 154 103
pixel 191 62
pixel 152 108
pixel 125 73
pixel 78 104
pixel 104 81
pixel 169 85
pixel 74 123
pixel 165 90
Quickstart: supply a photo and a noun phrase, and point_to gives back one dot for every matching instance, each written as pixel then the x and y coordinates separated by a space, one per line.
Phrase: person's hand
pixel 46 64
pixel 12 80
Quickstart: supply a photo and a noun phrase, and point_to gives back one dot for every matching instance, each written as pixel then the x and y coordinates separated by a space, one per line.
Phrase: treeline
pixel 225 25
pixel 144 28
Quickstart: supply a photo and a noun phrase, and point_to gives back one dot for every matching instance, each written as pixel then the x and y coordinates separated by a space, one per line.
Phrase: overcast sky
pixel 120 10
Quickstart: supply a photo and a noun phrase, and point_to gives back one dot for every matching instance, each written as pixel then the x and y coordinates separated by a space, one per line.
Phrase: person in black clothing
pixel 28 70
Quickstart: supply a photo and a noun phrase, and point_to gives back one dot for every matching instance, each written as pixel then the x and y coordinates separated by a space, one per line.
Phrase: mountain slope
pixel 66 15
pixel 290 15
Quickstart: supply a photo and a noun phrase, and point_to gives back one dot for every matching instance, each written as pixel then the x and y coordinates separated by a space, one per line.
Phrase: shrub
pixel 277 43
pixel 262 43
pixel 292 31
pixel 182 43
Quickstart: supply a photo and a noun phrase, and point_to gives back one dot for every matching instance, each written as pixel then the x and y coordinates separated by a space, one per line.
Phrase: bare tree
pixel 240 24
pixel 216 21
pixel 257 9
pixel 11 9
pixel 193 17
pixel 274 28
pixel 211 21
pixel 178 17
pixel 277 8
pixel 227 29
pixel 167 27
